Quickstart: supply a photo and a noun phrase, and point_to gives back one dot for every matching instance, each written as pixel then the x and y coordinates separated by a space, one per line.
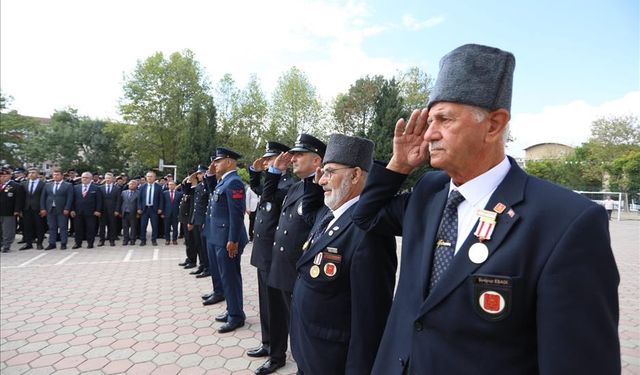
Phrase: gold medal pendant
pixel 314 271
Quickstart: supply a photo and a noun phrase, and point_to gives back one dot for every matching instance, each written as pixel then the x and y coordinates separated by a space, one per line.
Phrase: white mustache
pixel 436 145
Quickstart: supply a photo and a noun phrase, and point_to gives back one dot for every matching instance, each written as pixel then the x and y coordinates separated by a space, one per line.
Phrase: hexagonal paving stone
pixel 209 350
pixel 22 359
pixel 32 347
pixel 69 362
pixel 141 368
pixel 188 348
pixel 93 364
pixel 166 347
pixel 166 358
pixel 192 371
pixel 189 360
pixel 76 350
pixel 123 343
pixel 232 352
pixel 214 362
pixel 97 352
pixel 166 370
pixel 228 341
pixel 117 367
pixel 120 354
pixel 143 356
pixel 47 370
pixel 46 360
pixel 166 337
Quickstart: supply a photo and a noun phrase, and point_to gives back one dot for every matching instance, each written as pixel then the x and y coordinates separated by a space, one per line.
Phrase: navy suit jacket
pixel 171 207
pixel 88 204
pixel 337 320
pixel 225 214
pixel 550 260
pixel 158 199
pixel 63 196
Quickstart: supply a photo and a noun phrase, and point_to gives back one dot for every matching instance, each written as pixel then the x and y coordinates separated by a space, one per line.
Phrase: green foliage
pixel 616 131
pixel 166 101
pixel 388 109
pixel 295 108
pixel 15 133
pixel 415 87
pixel 625 173
pixel 354 112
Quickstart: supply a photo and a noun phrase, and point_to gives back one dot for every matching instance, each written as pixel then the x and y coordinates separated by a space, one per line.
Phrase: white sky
pixel 74 53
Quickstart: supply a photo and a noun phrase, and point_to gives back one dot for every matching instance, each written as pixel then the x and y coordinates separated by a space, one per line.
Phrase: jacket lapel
pixel 332 233
pixel 509 192
pixel 296 192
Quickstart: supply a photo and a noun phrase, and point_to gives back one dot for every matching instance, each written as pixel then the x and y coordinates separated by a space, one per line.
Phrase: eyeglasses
pixel 329 172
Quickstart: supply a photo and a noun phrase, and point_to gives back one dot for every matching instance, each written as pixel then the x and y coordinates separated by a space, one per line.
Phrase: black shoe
pixel 112 243
pixel 224 317
pixel 76 246
pixel 125 243
pixel 101 243
pixel 174 242
pixel 90 246
pixel 142 243
pixel 260 351
pixel 213 300
pixel 203 274
pixel 189 266
pixel 167 242
pixel 268 367
pixel 228 327
pixel 21 241
pixel 154 242
pixel 197 271
pixel 50 247
pixel 186 261
pixel 26 247
pixel 132 243
pixel 207 296
pixel 39 246
pixel 62 247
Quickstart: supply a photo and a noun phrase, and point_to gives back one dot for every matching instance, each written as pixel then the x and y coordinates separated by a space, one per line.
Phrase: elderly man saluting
pixel 502 273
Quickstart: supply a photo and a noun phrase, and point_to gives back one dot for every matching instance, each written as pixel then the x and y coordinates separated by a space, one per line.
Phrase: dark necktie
pixel 446 237
pixel 31 188
pixel 326 219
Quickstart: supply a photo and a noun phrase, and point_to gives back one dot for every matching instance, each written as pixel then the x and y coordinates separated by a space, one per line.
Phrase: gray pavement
pixel 132 310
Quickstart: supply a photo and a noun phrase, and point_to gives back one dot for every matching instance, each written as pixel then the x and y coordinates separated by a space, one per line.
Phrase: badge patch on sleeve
pixel 237 194
pixel 492 296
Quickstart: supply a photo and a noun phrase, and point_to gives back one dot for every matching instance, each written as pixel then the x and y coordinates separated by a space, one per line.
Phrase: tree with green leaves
pixel 415 87
pixel 15 133
pixel 161 97
pixel 295 108
pixel 354 111
pixel 251 122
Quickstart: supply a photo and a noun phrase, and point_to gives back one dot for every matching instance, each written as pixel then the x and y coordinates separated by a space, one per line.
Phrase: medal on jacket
pixel 300 209
pixel 479 252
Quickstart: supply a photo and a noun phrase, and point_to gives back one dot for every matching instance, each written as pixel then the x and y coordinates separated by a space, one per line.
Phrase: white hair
pixel 480 114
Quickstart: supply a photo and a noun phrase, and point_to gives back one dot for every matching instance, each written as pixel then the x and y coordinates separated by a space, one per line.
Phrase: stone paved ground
pixel 133 310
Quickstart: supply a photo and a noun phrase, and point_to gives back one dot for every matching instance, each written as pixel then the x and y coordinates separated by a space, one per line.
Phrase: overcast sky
pixel 575 60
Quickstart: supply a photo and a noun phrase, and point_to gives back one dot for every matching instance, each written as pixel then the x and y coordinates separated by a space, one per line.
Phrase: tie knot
pixel 455 198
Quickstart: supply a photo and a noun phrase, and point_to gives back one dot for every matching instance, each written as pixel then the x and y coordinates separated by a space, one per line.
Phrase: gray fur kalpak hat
pixel 475 75
pixel 351 151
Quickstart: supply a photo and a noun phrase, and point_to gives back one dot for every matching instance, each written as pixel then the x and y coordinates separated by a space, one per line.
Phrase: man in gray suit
pixel 128 209
pixel 55 204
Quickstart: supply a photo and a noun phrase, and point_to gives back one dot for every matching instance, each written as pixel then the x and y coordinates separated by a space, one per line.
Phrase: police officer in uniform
pixel 226 232
pixel 11 202
pixel 184 212
pixel 271 197
pixel 197 219
pixel 292 230
pixel 346 276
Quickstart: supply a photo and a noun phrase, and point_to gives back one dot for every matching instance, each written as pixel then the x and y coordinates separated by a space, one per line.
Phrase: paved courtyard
pixel 132 310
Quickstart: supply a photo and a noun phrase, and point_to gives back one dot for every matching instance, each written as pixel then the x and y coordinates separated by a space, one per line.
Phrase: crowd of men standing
pixel 501 273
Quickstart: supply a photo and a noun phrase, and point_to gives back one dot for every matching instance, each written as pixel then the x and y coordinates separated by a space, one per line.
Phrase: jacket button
pixel 260 221
pixel 285 232
pixel 274 243
pixel 257 234
pixel 418 326
pixel 281 248
pixel 278 227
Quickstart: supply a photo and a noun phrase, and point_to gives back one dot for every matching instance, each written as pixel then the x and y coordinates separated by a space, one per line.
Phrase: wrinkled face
pixel 108 179
pixel 303 164
pixel 455 136
pixel 336 183
pixel 133 185
pixel 86 178
pixel 150 177
pixel 57 176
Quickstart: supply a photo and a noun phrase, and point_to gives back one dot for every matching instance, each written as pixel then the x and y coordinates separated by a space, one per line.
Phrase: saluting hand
pixel 318 176
pixel 259 164
pixel 410 150
pixel 283 161
pixel 212 168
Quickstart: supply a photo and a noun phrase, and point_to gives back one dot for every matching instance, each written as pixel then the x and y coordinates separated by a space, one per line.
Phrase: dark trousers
pixel 85 227
pixel 279 307
pixel 130 226
pixel 216 279
pixel 231 283
pixel 149 214
pixel 200 245
pixel 160 227
pixel 171 222
pixel 57 222
pixel 190 247
pixel 108 226
pixel 252 221
pixel 33 226
pixel 263 300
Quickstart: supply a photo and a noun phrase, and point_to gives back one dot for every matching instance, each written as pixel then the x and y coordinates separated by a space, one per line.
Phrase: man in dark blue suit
pixel 55 203
pixel 171 199
pixel 346 276
pixel 502 273
pixel 227 233
pixel 151 203
pixel 110 206
pixel 87 208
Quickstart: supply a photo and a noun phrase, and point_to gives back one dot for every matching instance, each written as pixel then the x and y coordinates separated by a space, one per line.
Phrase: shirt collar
pixel 474 190
pixel 226 174
pixel 342 209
